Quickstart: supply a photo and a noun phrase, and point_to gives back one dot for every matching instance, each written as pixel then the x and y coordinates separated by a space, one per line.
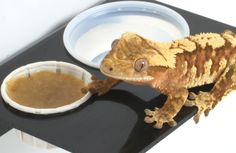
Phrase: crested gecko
pixel 172 68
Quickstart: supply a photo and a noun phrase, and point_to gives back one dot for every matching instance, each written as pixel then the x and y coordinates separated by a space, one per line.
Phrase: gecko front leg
pixel 100 87
pixel 172 106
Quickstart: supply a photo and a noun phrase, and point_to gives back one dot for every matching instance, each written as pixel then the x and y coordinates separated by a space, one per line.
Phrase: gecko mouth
pixel 127 78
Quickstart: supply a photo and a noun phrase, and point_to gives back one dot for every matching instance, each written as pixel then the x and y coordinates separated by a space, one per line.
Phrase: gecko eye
pixel 141 65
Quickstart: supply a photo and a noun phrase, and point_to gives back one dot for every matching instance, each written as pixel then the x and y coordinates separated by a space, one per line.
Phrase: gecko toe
pixel 206 112
pixel 196 118
pixel 158 125
pixel 149 112
pixel 159 117
pixel 172 123
pixel 93 77
pixel 84 90
pixel 148 119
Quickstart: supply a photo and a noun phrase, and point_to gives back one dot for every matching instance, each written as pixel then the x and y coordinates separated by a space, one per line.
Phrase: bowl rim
pixel 43 111
pixel 125 4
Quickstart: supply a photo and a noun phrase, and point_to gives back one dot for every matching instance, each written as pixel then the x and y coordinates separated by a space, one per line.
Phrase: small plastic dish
pixel 53 66
pixel 89 35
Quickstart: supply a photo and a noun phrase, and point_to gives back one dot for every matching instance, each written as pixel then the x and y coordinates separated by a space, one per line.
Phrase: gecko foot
pixel 96 86
pixel 159 117
pixel 204 102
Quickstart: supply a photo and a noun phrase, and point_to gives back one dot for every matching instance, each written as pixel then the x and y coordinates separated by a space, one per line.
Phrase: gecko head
pixel 130 59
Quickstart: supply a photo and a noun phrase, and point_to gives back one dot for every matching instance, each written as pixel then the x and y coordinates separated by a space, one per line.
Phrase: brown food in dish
pixel 45 89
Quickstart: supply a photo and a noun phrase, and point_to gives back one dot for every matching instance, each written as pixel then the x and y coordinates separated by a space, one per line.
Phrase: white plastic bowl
pixel 89 35
pixel 53 66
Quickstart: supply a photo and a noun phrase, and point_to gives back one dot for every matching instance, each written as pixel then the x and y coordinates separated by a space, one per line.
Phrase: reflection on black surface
pixel 112 122
pixel 131 130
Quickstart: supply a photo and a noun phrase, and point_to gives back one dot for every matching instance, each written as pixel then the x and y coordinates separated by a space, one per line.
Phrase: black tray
pixel 4 127
pixel 112 123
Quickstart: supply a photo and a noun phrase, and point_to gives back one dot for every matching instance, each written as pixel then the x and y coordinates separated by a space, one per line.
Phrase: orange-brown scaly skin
pixel 172 68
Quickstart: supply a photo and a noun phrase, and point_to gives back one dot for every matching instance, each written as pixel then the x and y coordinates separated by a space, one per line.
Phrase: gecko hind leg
pixel 225 85
pixel 206 101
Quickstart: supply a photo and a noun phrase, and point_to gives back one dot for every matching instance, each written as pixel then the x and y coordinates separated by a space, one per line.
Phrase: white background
pixel 25 21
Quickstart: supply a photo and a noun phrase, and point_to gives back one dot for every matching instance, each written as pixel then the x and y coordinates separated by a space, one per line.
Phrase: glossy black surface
pixel 4 127
pixel 112 123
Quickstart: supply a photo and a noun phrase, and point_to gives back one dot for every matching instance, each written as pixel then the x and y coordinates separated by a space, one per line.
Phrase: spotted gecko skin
pixel 172 68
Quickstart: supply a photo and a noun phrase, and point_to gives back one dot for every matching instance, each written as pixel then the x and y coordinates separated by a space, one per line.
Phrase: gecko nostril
pixel 110 69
